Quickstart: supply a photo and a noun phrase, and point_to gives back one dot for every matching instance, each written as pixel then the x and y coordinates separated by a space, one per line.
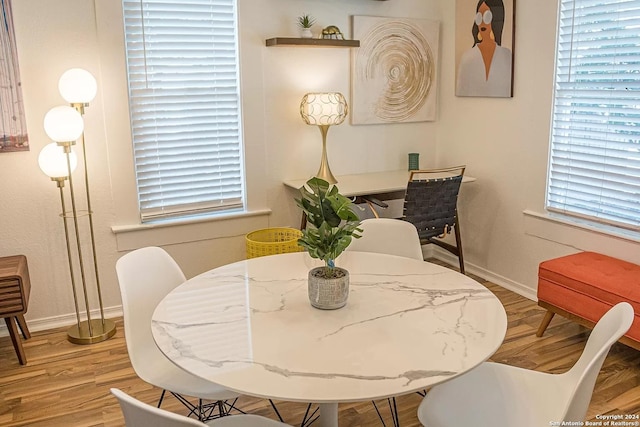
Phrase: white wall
pixel 55 36
pixel 292 148
pixel 504 143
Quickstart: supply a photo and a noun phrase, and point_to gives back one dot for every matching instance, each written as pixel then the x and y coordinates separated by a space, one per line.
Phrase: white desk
pixel 408 325
pixel 380 185
pixel 365 184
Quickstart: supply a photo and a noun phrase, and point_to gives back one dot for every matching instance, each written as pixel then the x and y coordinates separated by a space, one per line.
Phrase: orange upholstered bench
pixel 583 286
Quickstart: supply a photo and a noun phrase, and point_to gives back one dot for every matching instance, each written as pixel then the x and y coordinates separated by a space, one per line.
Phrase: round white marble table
pixel 408 325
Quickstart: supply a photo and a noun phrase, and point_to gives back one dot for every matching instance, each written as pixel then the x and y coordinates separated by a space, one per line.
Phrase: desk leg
pixel 328 415
pixel 303 221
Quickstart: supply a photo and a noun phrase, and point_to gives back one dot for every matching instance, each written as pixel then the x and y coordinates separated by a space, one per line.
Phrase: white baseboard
pixel 449 258
pixel 47 323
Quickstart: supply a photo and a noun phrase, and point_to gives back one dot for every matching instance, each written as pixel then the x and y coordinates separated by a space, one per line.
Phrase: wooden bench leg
pixel 15 338
pixel 23 326
pixel 545 322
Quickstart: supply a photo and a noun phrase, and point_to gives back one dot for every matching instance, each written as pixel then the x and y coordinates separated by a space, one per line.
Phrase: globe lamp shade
pixel 63 124
pixel 53 161
pixel 329 108
pixel 77 86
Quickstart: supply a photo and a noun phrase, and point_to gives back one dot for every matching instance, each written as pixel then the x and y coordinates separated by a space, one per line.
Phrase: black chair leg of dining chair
pixel 393 409
pixel 229 406
pixel 193 409
pixel 273 405
pixel 161 397
pixel 307 420
pixel 379 414
pixel 203 411
pixel 203 415
pixel 207 411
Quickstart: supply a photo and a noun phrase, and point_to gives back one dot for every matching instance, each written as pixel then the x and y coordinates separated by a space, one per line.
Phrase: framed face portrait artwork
pixel 485 48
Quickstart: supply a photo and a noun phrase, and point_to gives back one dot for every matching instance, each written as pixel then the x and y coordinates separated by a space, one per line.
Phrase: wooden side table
pixel 14 299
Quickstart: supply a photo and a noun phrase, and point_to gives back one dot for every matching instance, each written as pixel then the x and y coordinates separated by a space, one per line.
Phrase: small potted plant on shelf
pixel 305 22
pixel 331 225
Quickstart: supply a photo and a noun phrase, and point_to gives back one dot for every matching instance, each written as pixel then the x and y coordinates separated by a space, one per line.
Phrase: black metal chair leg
pixel 273 405
pixel 394 411
pixel 161 398
pixel 379 414
pixel 307 420
pixel 230 406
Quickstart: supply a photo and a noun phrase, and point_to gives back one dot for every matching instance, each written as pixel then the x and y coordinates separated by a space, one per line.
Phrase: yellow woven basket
pixel 271 241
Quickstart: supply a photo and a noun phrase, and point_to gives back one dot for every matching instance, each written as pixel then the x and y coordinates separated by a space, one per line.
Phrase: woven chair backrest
pixel 431 205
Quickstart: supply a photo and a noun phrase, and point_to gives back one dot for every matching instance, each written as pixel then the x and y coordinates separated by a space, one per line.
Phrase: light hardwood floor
pixel 68 385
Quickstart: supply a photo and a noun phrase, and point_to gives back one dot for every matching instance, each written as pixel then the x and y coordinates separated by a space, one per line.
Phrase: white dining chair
pixel 500 395
pixel 388 236
pixel 139 414
pixel 391 237
pixel 146 276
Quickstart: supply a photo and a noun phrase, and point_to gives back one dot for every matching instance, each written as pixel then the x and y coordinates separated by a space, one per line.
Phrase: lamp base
pixel 324 172
pixel 79 334
pixel 327 176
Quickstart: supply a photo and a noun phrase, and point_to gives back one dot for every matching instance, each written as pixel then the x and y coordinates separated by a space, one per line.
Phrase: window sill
pixel 581 234
pixel 134 236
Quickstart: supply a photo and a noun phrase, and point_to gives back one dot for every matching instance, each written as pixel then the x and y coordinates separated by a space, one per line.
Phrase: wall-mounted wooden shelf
pixel 290 41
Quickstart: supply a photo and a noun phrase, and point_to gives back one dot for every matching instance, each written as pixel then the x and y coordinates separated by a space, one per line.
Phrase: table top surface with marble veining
pixel 408 325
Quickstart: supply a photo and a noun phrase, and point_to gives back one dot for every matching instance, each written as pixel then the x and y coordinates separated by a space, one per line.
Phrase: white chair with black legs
pixel 388 236
pixel 139 414
pixel 500 395
pixel 146 276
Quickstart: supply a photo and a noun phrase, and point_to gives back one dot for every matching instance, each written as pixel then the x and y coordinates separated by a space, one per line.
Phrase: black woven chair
pixel 430 204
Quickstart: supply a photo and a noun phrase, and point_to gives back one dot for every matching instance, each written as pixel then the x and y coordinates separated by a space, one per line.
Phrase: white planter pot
pixel 328 294
pixel 306 33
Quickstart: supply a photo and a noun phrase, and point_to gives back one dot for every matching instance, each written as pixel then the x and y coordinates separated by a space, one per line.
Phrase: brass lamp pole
pixel 56 163
pixel 78 87
pixel 64 124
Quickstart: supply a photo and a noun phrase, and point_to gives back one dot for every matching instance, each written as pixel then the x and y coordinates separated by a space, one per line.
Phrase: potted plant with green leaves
pixel 331 225
pixel 305 22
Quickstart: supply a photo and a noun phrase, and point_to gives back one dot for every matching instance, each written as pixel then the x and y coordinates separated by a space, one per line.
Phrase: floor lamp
pixel 64 125
pixel 324 110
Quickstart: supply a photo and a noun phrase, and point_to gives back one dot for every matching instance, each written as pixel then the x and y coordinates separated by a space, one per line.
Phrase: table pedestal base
pixel 328 415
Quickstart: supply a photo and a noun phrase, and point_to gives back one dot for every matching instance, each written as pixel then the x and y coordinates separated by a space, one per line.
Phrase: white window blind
pixel 595 142
pixel 182 64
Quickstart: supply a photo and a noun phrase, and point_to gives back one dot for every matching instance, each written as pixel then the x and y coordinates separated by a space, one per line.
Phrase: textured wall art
pixel 484 48
pixel 13 125
pixel 393 73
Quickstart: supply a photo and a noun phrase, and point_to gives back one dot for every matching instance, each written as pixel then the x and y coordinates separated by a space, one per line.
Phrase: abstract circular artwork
pixel 394 70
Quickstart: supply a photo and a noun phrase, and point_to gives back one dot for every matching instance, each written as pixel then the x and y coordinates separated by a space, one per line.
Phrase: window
pixel 182 65
pixel 594 169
